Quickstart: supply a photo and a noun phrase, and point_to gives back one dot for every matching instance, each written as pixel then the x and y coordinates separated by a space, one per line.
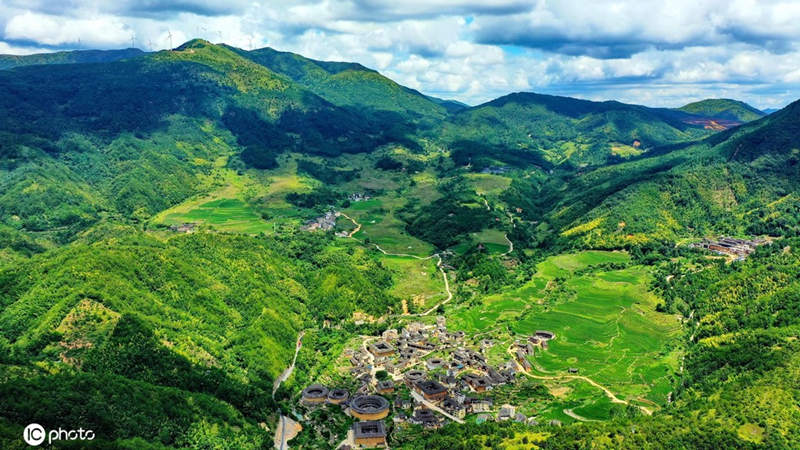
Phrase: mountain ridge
pixel 723 108
pixel 172 223
pixel 68 57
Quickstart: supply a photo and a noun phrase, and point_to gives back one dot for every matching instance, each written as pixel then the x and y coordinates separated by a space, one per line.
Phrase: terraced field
pixel 605 323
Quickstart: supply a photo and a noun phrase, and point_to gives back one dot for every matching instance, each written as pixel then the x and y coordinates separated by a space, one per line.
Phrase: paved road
pixel 430 405
pixel 510 245
pixel 286 431
pixel 288 371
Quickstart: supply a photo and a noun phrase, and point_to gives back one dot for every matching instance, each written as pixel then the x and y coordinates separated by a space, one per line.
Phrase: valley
pixel 202 261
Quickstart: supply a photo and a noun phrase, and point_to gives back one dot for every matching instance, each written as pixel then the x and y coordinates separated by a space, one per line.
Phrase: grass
pixel 225 214
pixel 582 398
pixel 380 226
pixel 223 208
pixel 488 184
pixel 493 239
pixel 255 202
pixel 417 281
pixel 625 151
pixel 235 202
pixel 605 323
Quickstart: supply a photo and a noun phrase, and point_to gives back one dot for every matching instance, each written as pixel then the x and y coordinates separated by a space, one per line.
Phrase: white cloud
pixel 55 30
pixel 658 53
pixel 7 49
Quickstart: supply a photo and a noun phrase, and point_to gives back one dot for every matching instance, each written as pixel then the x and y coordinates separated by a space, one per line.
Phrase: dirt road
pixel 438 266
pixel 609 394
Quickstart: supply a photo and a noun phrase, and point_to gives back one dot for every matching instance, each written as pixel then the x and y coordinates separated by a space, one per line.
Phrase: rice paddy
pixel 605 323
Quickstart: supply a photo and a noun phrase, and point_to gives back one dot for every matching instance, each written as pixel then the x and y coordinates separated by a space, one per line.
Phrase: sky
pixel 664 53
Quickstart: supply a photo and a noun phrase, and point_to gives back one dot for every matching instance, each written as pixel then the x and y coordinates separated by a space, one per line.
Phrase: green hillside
pixel 564 130
pixel 70 57
pixel 141 135
pixel 205 321
pixel 737 388
pixel 723 108
pixel 174 224
pixel 736 182
pixel 347 83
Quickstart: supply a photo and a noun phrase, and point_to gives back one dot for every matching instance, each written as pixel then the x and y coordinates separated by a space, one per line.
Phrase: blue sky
pixel 664 53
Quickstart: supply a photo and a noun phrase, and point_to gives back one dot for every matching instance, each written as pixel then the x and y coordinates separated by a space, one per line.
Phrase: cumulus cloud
pixel 56 30
pixel 657 53
pixel 607 29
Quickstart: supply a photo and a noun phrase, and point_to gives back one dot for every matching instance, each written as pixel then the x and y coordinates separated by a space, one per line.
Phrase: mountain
pixel 136 136
pixel 568 130
pixel 348 84
pixel 178 228
pixel 69 57
pixel 735 182
pixel 723 110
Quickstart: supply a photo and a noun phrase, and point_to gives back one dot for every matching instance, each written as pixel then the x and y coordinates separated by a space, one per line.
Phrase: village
pixel 424 375
pixel 736 248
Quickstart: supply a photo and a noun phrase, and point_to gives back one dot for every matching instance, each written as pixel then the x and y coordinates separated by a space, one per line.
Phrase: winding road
pixel 571 413
pixel 288 371
pixel 438 266
pixel 287 428
pixel 357 228
pixel 510 246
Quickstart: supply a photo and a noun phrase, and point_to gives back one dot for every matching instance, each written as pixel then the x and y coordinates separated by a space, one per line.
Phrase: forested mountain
pixel 171 223
pixel 134 137
pixel 738 182
pixel 348 84
pixel 567 130
pixel 70 57
pixel 723 108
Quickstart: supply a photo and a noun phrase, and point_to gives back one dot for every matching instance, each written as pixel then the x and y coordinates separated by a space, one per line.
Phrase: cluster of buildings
pixel 369 410
pixel 358 197
pixel 184 228
pixel 740 248
pixel 324 222
pixel 525 348
pixel 496 170
pixel 431 374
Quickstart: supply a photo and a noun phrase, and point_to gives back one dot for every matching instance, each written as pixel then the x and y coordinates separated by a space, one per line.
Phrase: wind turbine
pixel 150 44
pixel 169 36
pixel 133 40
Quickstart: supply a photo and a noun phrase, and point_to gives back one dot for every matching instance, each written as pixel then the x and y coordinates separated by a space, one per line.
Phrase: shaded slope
pixel 723 108
pixel 70 57
pixel 349 84
pixel 141 133
pixel 196 327
pixel 563 129
pixel 734 182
